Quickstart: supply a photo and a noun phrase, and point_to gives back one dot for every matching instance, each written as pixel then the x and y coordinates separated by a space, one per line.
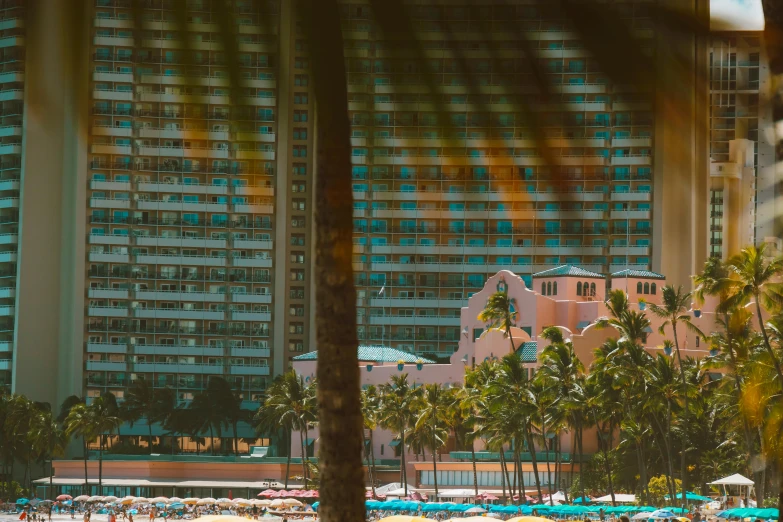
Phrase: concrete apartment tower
pixel 166 221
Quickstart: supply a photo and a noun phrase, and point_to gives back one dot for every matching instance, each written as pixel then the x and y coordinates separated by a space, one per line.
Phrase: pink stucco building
pixel 568 297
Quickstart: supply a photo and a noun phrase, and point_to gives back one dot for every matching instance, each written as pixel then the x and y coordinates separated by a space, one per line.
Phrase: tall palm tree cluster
pixel 653 415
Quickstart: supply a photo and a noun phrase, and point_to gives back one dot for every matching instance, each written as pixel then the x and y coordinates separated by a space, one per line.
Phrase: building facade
pixel 176 232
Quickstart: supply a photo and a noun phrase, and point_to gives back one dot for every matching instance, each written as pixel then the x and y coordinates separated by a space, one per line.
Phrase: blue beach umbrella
pixel 22 501
pixel 673 509
pixel 662 513
pixel 316 504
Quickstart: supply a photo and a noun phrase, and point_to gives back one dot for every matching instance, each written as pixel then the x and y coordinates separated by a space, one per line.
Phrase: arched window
pixel 652 291
pixel 646 288
pixel 549 288
pixel 554 288
pixel 592 289
pixel 543 288
pixel 585 287
pixel 639 287
pixel 579 288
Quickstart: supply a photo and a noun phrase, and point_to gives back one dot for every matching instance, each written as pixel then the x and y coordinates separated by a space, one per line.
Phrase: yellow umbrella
pixel 528 519
pixel 190 500
pixel 404 518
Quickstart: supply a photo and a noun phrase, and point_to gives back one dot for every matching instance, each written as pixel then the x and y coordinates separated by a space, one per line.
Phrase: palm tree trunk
pixel 511 340
pixel 149 427
pixel 534 460
pixel 770 351
pixel 666 455
pixel 288 460
pixel 522 490
pixel 502 475
pixel 100 464
pixel 372 464
pixel 86 480
pixel 683 461
pixel 339 401
pixel 236 438
pixel 475 470
pixel 404 467
pixel 581 465
pixel 302 442
pixel 212 439
pixel 435 471
pixel 51 477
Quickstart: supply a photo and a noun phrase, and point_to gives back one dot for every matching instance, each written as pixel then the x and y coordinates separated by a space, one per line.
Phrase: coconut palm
pixel 396 414
pixel 673 310
pixel 79 423
pixel 370 411
pixel 103 417
pixel 500 312
pixel 630 324
pixel 431 417
pixel 139 401
pixel 753 276
pixel 50 441
pixel 289 404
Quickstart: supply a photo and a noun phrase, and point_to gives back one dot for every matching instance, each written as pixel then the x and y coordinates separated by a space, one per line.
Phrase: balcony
pixel 112 95
pixel 10 130
pixel 178 313
pixel 9 184
pixel 187 188
pixel 183 206
pixel 253 208
pixel 110 185
pixel 630 214
pixel 418 302
pixel 101 239
pixel 7 311
pixel 110 203
pixel 250 352
pixel 8 257
pixel 109 257
pixel 10 148
pixel 637 159
pixel 7 292
pixel 111 149
pixel 254 244
pixel 107 348
pixel 249 370
pixel 630 196
pixel 168 349
pixel 194 368
pixel 251 316
pixel 176 259
pixel 251 298
pixel 107 293
pixel 629 250
pixel 6 347
pixel 107 311
pixel 631 266
pixel 632 142
pixel 255 262
pixel 106 366
pixel 418 320
pixel 163 295
pixel 11 94
pixel 181 242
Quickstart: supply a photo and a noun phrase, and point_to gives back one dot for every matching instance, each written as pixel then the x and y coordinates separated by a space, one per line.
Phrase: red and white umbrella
pixel 267 493
pixel 63 497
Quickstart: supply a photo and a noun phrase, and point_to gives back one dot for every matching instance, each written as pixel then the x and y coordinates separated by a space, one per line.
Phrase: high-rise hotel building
pixel 190 201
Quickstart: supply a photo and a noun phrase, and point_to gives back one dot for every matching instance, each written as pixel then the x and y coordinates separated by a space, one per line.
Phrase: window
pixel 300 134
pixel 592 289
pixel 639 287
pixel 554 288
pixel 549 288
pixel 299 169
pixel 301 80
pixel 646 288
pixel 579 288
pixel 543 288
pixel 298 204
pixel 653 289
pixel 300 116
pixel 300 151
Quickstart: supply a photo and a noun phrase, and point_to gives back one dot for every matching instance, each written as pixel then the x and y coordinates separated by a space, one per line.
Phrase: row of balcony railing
pixel 125 272
pixel 211 330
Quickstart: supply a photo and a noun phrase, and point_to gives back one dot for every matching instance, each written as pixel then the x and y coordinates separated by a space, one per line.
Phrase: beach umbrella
pixel 674 509
pixel 469 519
pixel 262 502
pixel 126 501
pixel 581 500
pixel 158 500
pixel 528 519
pixel 315 505
pixel 64 497
pixel 190 500
pixel 267 492
pixel 224 502
pixel 292 502
pixel 476 509
pixel 276 503
pixel 110 498
pixel 22 501
pixel 174 499
pixel 644 515
pixel 401 518
pixel 206 501
pixel 486 496
pixel 81 498
pixel 243 502
pixel 176 505
pixel 662 513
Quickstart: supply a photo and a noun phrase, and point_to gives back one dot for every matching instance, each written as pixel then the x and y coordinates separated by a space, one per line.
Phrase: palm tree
pixel 630 324
pixel 370 407
pixel 79 423
pixel 753 276
pixel 139 401
pixel 50 441
pixel 661 382
pixel 102 416
pixel 227 403
pixel 500 313
pixel 472 400
pixel 432 417
pixel 673 311
pixel 289 404
pixel 396 414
